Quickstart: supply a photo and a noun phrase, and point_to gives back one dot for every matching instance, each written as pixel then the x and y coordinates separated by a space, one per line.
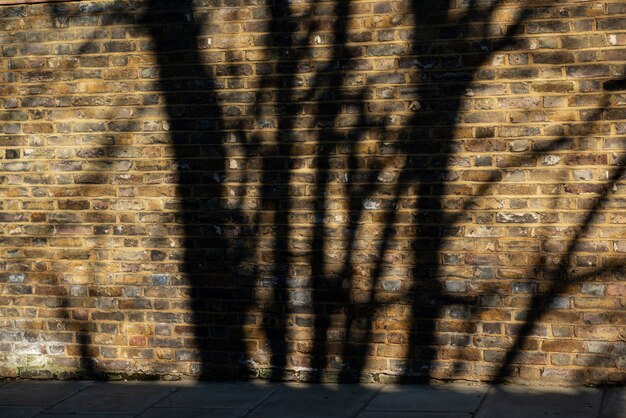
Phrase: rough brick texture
pixel 312 190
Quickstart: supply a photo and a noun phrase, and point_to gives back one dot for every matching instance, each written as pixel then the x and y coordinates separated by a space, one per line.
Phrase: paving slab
pixel 38 393
pixel 318 400
pixel 379 414
pixel 614 403
pixel 424 398
pixel 194 413
pixel 523 402
pixel 220 395
pixel 114 398
pixel 20 411
pixel 86 416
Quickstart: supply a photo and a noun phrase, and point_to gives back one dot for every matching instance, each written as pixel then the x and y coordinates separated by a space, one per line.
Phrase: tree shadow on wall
pixel 216 231
pixel 566 272
pixel 254 242
pixel 448 54
pixel 221 287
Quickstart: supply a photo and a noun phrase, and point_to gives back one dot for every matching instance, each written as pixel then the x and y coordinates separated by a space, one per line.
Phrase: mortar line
pixel 490 388
pixel 602 400
pixel 369 401
pixel 262 401
pixel 91 383
pixel 158 400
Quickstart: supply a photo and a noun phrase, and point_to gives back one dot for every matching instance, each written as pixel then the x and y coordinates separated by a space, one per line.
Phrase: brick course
pixel 312 190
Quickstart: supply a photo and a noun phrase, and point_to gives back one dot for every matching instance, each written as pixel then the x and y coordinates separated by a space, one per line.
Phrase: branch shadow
pixel 564 275
pixel 219 297
pixel 225 243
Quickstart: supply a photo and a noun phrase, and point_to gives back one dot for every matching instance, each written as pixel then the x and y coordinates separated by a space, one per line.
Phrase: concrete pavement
pixel 78 399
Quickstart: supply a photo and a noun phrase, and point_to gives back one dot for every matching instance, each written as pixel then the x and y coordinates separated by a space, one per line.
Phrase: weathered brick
pixel 591 70
pixel 187 193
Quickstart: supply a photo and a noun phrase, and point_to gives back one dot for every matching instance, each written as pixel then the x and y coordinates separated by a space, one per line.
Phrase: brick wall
pixel 312 190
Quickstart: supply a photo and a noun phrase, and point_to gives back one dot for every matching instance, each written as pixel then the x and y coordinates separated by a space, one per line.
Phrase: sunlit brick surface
pixel 314 190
